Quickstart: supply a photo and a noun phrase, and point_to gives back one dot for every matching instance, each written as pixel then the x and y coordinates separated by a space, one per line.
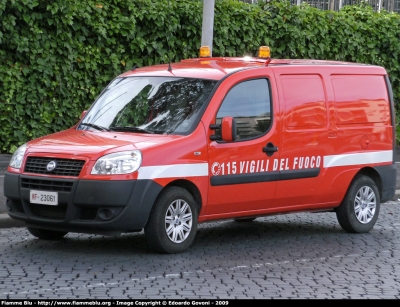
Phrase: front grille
pixel 47 185
pixel 65 167
pixel 50 212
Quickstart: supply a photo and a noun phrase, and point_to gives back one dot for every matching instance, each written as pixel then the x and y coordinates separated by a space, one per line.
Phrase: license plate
pixel 44 198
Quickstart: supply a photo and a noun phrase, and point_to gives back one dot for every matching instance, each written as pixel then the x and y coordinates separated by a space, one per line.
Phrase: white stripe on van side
pixel 358 158
pixel 201 169
pixel 174 170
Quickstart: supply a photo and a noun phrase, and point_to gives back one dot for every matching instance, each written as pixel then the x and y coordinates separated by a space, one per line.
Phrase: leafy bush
pixel 56 56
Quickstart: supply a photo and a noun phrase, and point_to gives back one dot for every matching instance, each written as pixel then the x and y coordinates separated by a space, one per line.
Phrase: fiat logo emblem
pixel 51 166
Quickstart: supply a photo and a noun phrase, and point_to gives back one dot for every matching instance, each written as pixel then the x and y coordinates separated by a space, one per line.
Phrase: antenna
pixel 169 24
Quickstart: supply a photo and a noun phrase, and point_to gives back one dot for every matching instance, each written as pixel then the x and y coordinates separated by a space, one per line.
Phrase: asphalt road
pixel 297 256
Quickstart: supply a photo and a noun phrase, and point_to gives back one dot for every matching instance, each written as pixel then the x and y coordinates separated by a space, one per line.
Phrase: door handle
pixel 270 149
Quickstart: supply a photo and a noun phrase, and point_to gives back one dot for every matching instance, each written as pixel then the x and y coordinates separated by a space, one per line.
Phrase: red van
pixel 166 147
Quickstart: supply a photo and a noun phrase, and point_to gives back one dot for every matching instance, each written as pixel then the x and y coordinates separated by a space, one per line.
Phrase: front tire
pixel 46 234
pixel 172 224
pixel 359 210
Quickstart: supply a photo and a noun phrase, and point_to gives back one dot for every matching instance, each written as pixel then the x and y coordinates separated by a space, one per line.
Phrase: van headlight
pixel 18 156
pixel 123 162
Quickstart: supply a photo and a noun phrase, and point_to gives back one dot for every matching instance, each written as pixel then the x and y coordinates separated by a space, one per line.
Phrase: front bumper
pixel 87 206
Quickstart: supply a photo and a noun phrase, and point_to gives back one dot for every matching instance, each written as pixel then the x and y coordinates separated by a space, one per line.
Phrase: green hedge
pixel 57 55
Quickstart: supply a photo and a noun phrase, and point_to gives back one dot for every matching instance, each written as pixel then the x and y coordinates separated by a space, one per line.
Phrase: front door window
pixel 249 103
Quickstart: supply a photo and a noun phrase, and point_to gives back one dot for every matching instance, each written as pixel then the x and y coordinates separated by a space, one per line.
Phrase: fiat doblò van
pixel 166 147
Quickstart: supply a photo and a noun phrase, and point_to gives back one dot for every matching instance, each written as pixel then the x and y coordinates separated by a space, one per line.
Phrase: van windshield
pixel 161 105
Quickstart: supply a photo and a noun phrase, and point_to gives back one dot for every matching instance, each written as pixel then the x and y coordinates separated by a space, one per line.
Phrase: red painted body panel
pixel 311 119
pixel 324 137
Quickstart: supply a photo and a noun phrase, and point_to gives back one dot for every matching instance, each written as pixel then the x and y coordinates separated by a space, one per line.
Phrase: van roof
pixel 216 68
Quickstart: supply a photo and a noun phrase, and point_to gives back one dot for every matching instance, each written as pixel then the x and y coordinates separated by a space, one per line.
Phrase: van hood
pixel 94 144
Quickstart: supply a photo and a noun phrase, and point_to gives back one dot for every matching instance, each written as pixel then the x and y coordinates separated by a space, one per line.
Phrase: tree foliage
pixel 56 56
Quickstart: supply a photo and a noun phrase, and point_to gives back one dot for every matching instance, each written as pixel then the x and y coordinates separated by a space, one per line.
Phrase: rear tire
pixel 46 234
pixel 172 224
pixel 359 210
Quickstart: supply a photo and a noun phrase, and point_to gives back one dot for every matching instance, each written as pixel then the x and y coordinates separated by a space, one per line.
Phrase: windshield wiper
pixel 133 129
pixel 96 127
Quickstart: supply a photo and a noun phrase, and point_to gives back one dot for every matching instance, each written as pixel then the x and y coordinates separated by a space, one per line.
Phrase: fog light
pixel 106 214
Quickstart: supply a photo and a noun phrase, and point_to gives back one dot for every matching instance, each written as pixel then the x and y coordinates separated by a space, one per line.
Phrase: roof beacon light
pixel 264 52
pixel 205 52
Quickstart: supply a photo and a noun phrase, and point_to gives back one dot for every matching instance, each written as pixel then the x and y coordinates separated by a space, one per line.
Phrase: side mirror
pixel 228 129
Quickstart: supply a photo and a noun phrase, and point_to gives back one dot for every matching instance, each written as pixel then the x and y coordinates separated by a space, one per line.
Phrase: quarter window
pixel 249 103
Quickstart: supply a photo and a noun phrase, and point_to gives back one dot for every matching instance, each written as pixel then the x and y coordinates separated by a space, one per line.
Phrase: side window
pixel 249 103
